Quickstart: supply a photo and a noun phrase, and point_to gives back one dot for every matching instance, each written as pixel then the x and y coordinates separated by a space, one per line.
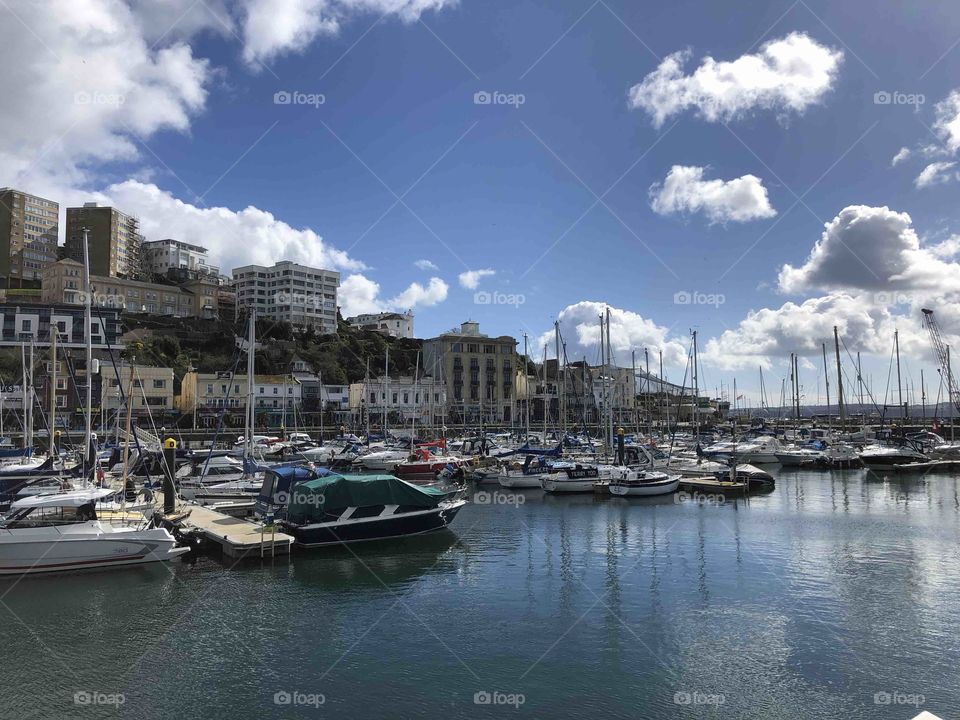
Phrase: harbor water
pixel 836 595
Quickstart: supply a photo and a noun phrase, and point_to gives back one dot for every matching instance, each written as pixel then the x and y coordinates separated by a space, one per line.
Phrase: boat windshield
pixel 48 517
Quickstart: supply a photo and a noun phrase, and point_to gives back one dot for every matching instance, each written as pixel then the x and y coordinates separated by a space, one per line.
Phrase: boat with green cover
pixel 320 508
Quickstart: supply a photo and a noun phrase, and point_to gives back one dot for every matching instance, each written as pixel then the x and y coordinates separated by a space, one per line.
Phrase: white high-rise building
pixel 162 255
pixel 301 295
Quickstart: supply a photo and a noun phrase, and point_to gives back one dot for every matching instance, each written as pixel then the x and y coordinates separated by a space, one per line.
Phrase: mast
pixel 126 445
pixel 660 391
pixel 896 345
pixel 53 388
pixel 386 391
pixel 610 361
pixel 556 341
pixel 416 399
pixel 88 341
pixel 526 390
pixel 366 385
pixel 251 414
pixel 23 395
pixel 633 374
pixel 923 400
pixel 646 397
pixel 603 386
pixel 696 391
pixel 836 346
pixel 826 379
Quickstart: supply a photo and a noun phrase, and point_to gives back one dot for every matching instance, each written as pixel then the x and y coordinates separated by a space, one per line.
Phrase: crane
pixel 943 355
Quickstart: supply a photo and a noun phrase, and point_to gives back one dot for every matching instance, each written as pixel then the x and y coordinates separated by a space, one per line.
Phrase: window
pixel 373 398
pixel 276 391
pixel 261 391
pixel 406 398
pixel 394 398
pixel 159 384
pixel 209 389
pixel 26 325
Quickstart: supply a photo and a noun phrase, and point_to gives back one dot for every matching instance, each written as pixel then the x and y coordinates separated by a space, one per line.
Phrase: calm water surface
pixel 838 595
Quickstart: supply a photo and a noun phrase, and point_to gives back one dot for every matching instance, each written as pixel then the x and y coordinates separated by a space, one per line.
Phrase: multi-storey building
pixel 28 235
pixel 21 323
pixel 206 395
pixel 152 389
pixel 114 239
pixel 479 373
pixel 398 325
pixel 403 399
pixel 63 283
pixel 161 256
pixel 300 295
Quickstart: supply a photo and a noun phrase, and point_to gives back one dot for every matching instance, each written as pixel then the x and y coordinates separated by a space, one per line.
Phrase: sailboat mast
pixel 526 389
pixel 88 341
pixel 836 346
pixel 609 361
pixel 53 388
pixel 251 414
pixel 896 345
pixel 696 390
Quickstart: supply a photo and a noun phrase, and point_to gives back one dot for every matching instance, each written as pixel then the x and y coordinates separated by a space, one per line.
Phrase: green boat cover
pixel 317 500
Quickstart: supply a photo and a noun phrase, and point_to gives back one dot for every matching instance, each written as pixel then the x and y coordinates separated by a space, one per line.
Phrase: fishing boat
pixel 59 532
pixel 575 479
pixel 643 483
pixel 319 508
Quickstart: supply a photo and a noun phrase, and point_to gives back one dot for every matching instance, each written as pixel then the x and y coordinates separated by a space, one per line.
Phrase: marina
pixel 785 605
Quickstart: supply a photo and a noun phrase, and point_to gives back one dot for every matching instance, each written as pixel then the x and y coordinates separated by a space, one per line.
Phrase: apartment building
pixel 290 292
pixel 114 240
pixel 478 372
pixel 402 398
pixel 152 389
pixel 399 325
pixel 161 256
pixel 28 235
pixel 21 323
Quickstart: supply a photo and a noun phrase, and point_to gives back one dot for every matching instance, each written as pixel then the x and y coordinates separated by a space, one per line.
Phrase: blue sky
pixel 515 189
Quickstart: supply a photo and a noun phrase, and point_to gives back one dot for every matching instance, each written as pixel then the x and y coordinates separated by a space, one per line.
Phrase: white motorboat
pixel 528 475
pixel 51 533
pixel 381 460
pixel 881 456
pixel 576 479
pixel 643 483
pixel 758 451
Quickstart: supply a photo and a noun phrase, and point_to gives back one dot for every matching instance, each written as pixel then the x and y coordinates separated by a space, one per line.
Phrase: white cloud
pixel 903 154
pixel 947 124
pixel 359 294
pixel 580 329
pixel 81 83
pixel 234 237
pixel 417 295
pixel 471 278
pixel 870 248
pixel 936 173
pixel 426 265
pixel 788 74
pixel 276 27
pixel 685 191
pixel 767 334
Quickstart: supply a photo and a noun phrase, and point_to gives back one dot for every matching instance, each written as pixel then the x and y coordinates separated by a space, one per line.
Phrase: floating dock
pixel 235 536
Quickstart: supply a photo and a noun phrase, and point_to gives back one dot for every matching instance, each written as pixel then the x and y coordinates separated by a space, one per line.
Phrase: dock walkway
pixel 235 536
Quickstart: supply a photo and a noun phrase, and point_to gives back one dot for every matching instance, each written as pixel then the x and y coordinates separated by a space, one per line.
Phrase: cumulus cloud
pixel 947 124
pixel 276 27
pixel 470 279
pixel 771 333
pixel 936 173
pixel 83 85
pixel 234 237
pixel 787 75
pixel 870 248
pixel 359 294
pixel 903 154
pixel 580 328
pixel 426 265
pixel 685 191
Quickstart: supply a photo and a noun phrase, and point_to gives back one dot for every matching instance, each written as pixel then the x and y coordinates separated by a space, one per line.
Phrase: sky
pixel 759 173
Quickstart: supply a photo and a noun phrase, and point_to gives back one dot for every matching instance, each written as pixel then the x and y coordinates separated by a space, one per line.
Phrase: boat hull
pixel 660 487
pixel 565 485
pixel 25 556
pixel 371 529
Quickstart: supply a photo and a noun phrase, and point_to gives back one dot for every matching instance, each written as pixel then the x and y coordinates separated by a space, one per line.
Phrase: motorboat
pixel 516 476
pixel 319 508
pixel 62 531
pixel 895 451
pixel 381 460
